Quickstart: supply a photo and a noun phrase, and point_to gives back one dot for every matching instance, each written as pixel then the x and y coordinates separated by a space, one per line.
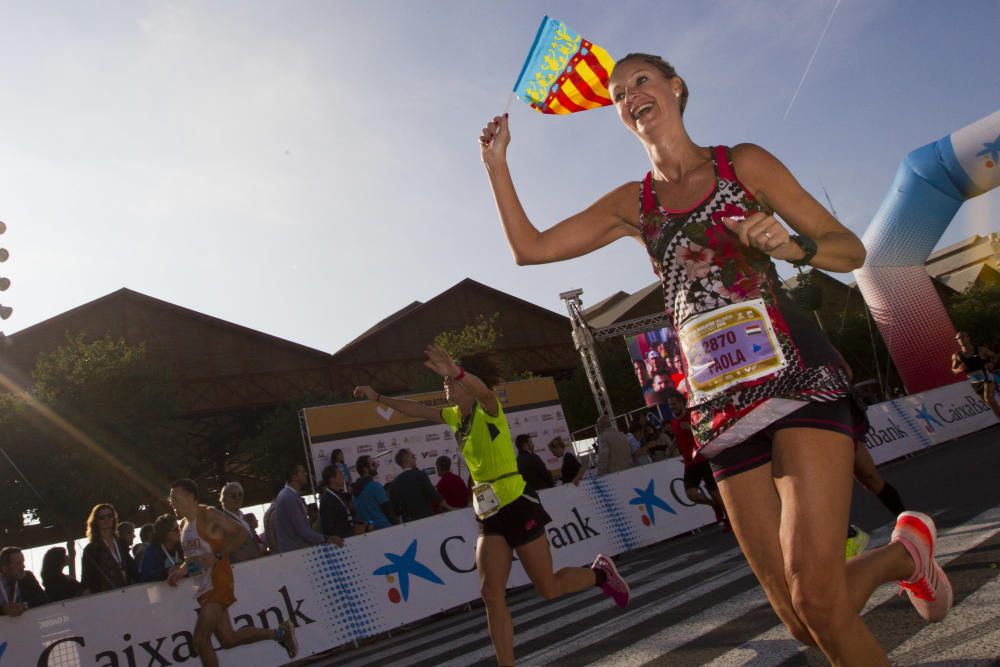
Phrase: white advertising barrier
pixel 375 583
pixel 914 422
pixel 357 428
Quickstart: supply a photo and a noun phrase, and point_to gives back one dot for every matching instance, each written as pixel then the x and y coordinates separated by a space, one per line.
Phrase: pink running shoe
pixel 928 589
pixel 614 586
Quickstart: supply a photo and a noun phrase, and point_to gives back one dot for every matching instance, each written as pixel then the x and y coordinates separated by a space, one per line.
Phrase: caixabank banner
pixel 375 583
pixel 911 423
pixel 362 427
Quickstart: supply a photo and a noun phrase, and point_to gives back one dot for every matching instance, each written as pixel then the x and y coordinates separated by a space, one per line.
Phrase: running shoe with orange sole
pixel 929 589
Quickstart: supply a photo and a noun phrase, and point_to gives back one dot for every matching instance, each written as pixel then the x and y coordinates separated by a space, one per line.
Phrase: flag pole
pixel 510 100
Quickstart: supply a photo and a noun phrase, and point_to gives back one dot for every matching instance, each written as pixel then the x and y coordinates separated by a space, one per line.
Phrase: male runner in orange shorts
pixel 208 537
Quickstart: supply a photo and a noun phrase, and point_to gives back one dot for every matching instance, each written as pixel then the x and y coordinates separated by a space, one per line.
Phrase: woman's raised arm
pixel 613 216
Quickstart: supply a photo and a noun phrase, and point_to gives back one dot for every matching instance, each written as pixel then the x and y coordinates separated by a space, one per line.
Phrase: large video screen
pixel 656 361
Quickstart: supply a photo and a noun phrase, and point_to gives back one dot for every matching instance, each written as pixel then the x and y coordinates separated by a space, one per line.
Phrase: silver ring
pixel 767 235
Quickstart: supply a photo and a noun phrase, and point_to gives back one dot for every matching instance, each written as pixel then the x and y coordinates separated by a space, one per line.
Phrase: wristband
pixel 808 247
pixel 461 374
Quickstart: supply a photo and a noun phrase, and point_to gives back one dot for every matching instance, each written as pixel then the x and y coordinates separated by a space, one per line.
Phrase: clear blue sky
pixel 306 168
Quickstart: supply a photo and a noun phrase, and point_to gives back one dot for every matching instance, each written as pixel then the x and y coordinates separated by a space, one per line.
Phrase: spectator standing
pixel 571 471
pixel 335 515
pixel 291 519
pixel 145 533
pixel 164 553
pixel 371 503
pixel 613 451
pixel 451 487
pixel 126 535
pixel 58 586
pixel 230 501
pixel 19 590
pixel 412 493
pixel 637 444
pixel 337 459
pixel 107 561
pixel 530 464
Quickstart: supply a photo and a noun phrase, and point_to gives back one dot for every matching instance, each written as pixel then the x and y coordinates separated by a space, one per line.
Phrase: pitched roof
pixel 124 294
pixel 417 307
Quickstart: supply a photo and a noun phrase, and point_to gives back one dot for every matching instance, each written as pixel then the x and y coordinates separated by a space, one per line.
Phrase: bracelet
pixel 461 374
pixel 808 248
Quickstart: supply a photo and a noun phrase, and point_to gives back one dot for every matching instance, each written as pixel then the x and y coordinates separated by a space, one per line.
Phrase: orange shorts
pixel 223 596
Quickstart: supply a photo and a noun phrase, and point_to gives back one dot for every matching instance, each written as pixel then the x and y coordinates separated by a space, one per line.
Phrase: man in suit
pixel 291 520
pixel 19 590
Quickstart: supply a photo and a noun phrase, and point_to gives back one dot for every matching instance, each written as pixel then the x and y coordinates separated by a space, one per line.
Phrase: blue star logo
pixel 929 420
pixel 649 498
pixel 992 149
pixel 404 565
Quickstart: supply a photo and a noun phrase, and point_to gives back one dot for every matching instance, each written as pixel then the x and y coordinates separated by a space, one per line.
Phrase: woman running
pixel 769 402
pixel 510 516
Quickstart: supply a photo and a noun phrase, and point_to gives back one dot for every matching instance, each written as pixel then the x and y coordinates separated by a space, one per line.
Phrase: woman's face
pixel 173 536
pixel 232 499
pixel 644 97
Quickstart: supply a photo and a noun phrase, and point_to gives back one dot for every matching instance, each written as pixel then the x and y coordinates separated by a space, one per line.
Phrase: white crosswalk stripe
pixel 474 625
pixel 581 622
pixel 776 646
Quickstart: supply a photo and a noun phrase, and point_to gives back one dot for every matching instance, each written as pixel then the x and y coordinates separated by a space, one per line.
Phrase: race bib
pixel 485 501
pixel 727 346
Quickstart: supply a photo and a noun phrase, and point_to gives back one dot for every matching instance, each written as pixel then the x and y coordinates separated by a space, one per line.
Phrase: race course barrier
pixel 391 577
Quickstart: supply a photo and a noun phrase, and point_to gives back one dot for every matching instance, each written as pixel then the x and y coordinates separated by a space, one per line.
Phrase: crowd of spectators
pixel 348 505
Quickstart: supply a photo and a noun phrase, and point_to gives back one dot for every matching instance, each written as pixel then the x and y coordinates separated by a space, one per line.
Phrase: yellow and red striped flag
pixel 564 73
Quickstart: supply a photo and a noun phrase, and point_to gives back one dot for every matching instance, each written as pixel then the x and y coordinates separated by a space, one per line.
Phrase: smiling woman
pixel 770 401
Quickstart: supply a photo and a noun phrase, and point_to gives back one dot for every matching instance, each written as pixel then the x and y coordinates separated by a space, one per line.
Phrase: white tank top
pixel 194 547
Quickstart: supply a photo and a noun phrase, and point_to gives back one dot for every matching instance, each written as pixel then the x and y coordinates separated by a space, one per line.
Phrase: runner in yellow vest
pixel 510 516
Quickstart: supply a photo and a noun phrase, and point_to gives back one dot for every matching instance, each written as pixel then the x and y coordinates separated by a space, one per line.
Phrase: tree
pixel 977 311
pixel 277 443
pixel 619 378
pixel 97 427
pixel 480 336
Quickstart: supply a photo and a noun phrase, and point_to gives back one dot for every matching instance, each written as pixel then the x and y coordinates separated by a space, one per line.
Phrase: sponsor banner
pixel 905 425
pixel 531 406
pixel 375 583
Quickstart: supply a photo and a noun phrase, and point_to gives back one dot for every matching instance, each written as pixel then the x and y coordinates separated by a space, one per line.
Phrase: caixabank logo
pixel 399 570
pixel 648 502
pixel 940 414
pixel 990 153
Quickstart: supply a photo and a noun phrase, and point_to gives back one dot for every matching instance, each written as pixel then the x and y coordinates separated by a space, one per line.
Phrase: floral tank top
pixel 748 353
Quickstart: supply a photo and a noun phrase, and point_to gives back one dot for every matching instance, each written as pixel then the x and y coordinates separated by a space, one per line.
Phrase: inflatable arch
pixel 930 185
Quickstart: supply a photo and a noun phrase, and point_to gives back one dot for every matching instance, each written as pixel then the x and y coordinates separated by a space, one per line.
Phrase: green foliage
pixel 97 427
pixel 277 443
pixel 977 311
pixel 619 378
pixel 481 336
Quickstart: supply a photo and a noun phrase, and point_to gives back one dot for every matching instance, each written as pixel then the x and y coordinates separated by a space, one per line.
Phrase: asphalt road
pixel 695 601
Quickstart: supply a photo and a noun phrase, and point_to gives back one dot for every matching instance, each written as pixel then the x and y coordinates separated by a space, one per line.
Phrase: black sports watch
pixel 808 247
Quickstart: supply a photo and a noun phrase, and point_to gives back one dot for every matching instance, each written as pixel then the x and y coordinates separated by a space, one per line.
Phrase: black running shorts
pixel 845 416
pixel 699 473
pixel 519 522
